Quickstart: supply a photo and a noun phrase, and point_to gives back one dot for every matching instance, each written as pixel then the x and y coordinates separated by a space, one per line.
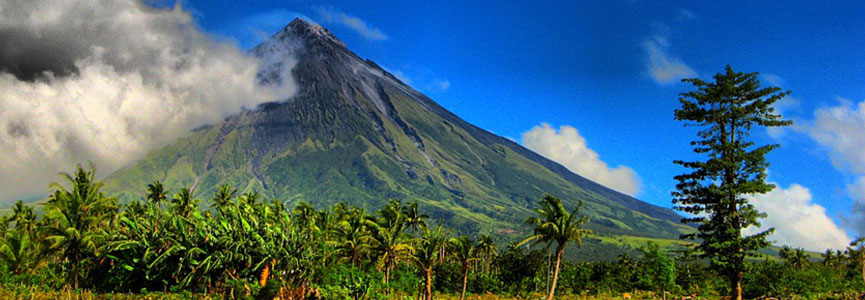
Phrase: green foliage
pixel 518 268
pixel 350 282
pixel 714 191
pixel 658 271
pixel 784 280
pixel 555 224
pixel 250 247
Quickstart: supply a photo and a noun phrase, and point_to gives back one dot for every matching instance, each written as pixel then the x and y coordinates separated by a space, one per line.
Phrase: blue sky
pixel 610 70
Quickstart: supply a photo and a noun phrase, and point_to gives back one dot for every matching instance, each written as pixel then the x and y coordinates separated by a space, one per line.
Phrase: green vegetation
pixel 556 224
pixel 714 191
pixel 86 245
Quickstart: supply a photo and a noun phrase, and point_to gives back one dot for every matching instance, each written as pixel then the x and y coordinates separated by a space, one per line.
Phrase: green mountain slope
pixel 356 134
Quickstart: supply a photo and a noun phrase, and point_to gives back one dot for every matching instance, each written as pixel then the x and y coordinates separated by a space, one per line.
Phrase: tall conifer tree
pixel 714 190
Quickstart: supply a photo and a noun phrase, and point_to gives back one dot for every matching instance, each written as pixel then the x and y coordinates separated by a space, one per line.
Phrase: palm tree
pixel 23 216
pixel 250 198
pixel 389 240
pixel 829 258
pixel 183 202
pixel 156 193
pixel 76 217
pixel 223 196
pixel 306 215
pixel 797 258
pixel 555 224
pixel 352 238
pixel 465 252
pixel 426 254
pixel 487 250
pixel 413 218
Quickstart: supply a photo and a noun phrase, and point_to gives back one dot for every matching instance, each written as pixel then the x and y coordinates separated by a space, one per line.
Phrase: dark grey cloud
pixel 107 81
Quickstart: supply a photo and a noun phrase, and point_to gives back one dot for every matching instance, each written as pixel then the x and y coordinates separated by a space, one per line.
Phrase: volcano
pixel 355 133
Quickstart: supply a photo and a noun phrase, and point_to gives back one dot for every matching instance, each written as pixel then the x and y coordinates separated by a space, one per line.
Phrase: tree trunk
pixel 75 275
pixel 73 257
pixel 429 283
pixel 465 280
pixel 736 286
pixel 386 274
pixel 559 250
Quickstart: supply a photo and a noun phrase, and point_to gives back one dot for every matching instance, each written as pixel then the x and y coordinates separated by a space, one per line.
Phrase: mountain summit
pixel 355 133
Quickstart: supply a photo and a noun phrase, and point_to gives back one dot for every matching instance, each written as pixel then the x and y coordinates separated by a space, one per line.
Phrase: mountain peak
pixel 309 31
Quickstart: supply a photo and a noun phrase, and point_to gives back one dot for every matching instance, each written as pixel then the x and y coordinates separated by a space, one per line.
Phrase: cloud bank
pixel 840 130
pixel 568 148
pixel 108 81
pixel 797 220
pixel 331 16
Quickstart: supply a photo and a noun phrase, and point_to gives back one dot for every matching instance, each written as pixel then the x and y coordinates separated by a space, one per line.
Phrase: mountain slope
pixel 354 133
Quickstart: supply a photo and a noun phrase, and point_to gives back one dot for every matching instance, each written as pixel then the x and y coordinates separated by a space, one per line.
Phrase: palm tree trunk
pixel 429 283
pixel 465 280
pixel 559 250
pixel 75 275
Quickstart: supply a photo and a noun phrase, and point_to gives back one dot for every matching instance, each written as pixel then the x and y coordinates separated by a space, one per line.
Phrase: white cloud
pixel 108 81
pixel 568 148
pixel 329 15
pixel 663 67
pixel 841 130
pixel 797 220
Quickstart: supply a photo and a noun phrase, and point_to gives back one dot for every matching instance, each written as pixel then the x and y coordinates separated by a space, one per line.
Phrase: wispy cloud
pixel 685 15
pixel 332 16
pixel 420 78
pixel 567 147
pixel 663 67
pixel 439 85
